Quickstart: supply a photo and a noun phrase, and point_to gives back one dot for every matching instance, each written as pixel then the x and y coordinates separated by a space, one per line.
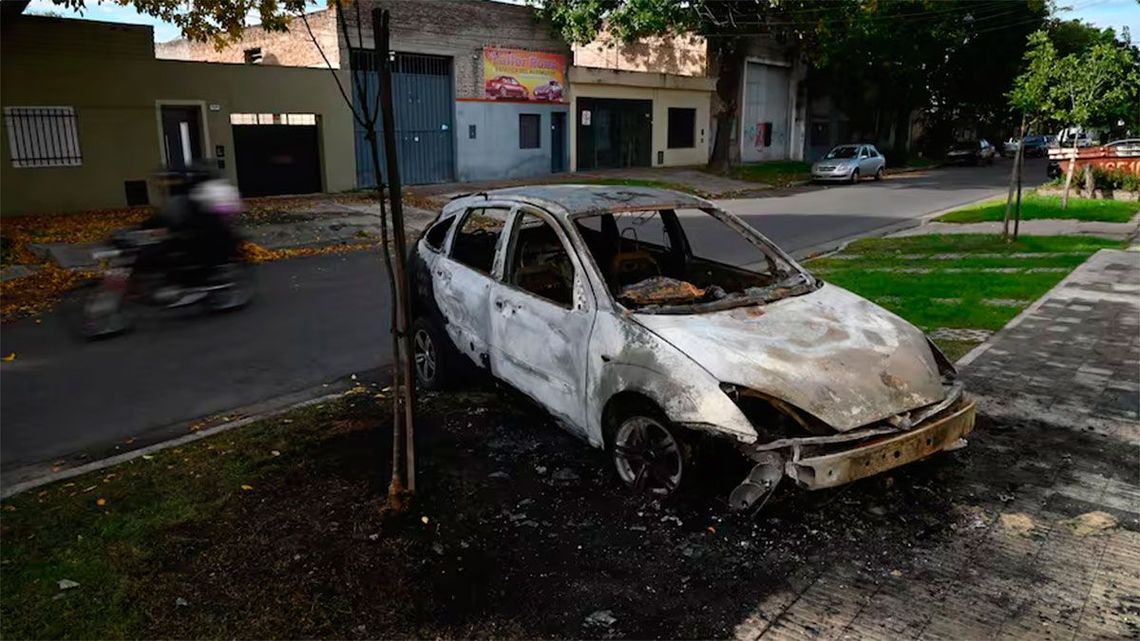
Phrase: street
pixel 320 319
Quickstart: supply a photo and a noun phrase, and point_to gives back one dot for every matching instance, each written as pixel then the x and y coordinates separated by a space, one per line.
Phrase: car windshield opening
pixel 842 152
pixel 686 261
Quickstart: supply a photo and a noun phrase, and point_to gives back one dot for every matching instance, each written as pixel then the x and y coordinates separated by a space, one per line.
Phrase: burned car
pixel 644 319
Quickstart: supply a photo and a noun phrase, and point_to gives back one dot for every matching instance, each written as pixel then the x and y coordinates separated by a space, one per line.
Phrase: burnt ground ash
pixel 528 534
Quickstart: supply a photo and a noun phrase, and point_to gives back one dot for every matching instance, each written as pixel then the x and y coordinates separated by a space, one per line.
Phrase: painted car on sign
pixel 506 87
pixel 551 91
pixel 646 320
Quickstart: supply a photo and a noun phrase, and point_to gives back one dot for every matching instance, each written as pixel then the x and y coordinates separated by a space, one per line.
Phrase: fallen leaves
pixel 101 502
pixel 9 358
pixel 255 253
pixel 246 488
pixel 29 295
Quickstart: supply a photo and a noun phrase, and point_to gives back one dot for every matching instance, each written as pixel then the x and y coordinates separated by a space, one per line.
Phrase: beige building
pixel 90 115
pixel 644 104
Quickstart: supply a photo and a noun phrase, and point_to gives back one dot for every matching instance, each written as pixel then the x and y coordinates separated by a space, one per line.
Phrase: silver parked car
pixel 647 321
pixel 849 163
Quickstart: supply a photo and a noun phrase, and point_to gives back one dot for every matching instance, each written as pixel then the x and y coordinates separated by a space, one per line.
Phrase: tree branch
pixel 339 86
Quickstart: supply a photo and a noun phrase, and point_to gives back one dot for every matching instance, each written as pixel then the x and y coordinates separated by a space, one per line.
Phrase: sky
pixel 1102 13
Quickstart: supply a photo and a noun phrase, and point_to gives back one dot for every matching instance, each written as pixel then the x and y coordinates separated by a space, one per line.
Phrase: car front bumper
pixel 868 459
pixel 839 173
pixel 819 462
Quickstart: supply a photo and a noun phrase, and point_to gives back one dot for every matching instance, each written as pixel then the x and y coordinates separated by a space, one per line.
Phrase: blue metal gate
pixel 422 91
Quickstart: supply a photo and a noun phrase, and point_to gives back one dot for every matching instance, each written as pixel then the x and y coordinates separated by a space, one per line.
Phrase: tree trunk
pixel 1014 177
pixel 1020 172
pixel 730 68
pixel 1069 176
pixel 1090 182
pixel 380 33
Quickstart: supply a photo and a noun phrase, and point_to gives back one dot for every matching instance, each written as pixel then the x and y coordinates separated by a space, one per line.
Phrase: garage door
pixel 765 114
pixel 423 94
pixel 278 159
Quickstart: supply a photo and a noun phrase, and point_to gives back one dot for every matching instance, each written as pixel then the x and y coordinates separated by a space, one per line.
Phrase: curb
pixel 39 474
pixel 834 246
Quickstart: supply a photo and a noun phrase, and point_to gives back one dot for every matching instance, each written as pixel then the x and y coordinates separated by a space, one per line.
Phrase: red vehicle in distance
pixel 506 87
pixel 551 91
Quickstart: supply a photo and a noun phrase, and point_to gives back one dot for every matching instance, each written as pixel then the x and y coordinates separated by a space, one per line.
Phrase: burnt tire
pixel 650 455
pixel 433 356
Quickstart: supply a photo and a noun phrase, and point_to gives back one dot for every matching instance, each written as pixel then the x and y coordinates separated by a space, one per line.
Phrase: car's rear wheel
pixel 431 357
pixel 854 176
pixel 879 173
pixel 649 453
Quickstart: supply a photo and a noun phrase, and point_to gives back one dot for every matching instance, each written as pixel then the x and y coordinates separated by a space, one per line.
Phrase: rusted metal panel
pixel 830 470
pixel 1119 157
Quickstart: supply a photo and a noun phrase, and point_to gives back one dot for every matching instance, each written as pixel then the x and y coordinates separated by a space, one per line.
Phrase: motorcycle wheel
pixel 100 311
pixel 234 282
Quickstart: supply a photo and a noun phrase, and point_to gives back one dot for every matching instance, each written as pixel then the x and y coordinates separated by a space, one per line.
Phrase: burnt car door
pixel 542 311
pixel 462 279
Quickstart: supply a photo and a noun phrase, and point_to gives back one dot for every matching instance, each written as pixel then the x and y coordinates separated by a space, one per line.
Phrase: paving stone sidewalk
pixel 1044 539
pixel 1048 227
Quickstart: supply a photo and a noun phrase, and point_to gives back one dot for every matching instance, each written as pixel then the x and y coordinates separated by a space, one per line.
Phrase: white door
pixel 764 117
pixel 462 279
pixel 542 312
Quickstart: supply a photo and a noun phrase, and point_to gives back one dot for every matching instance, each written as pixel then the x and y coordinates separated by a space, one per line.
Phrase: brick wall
pixel 682 55
pixel 293 48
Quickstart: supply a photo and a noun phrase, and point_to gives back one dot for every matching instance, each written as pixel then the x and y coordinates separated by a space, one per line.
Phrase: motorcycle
pixel 143 269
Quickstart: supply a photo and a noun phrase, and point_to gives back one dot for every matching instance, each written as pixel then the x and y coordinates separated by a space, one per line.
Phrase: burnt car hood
pixel 830 353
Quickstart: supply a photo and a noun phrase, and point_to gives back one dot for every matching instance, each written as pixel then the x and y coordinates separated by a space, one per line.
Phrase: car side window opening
pixel 677 257
pixel 438 234
pixel 475 240
pixel 539 262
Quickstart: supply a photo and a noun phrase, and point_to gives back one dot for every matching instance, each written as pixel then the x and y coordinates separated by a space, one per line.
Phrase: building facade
pixel 90 115
pixel 479 86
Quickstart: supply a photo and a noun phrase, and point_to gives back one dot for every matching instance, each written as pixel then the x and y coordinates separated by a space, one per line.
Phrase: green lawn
pixel 778 173
pixel 956 281
pixel 1034 207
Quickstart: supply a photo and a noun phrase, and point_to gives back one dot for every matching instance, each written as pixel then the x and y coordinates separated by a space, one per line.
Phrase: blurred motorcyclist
pixel 198 216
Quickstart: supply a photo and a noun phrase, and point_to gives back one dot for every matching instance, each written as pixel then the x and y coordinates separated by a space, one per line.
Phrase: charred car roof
pixel 576 200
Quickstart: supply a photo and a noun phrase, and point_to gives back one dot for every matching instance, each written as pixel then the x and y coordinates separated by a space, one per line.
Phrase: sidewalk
pixel 1046 536
pixel 1050 227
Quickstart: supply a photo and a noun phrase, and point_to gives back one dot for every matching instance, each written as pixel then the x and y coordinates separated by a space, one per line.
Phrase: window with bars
pixel 273 119
pixel 530 126
pixel 43 136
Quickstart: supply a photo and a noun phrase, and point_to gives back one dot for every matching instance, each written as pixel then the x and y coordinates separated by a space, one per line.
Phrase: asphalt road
pixel 320 319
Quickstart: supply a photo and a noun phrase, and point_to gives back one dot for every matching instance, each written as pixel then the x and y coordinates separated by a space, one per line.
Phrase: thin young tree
pixel 366 111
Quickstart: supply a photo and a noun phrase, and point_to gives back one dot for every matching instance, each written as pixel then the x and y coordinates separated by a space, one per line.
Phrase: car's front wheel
pixel 854 176
pixel 648 452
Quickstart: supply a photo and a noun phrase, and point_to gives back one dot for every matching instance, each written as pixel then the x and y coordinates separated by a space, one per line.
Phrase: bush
pixel 1116 179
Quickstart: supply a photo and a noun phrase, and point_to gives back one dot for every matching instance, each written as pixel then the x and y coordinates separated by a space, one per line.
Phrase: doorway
pixel 557 142
pixel 614 133
pixel 181 135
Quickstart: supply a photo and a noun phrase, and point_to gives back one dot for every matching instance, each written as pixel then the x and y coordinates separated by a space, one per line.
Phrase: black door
pixel 557 142
pixel 614 133
pixel 273 160
pixel 181 135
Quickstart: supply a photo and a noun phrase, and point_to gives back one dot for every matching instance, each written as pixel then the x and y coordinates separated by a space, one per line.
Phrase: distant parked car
pixel 970 152
pixel 849 163
pixel 1035 146
pixel 506 87
pixel 551 91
